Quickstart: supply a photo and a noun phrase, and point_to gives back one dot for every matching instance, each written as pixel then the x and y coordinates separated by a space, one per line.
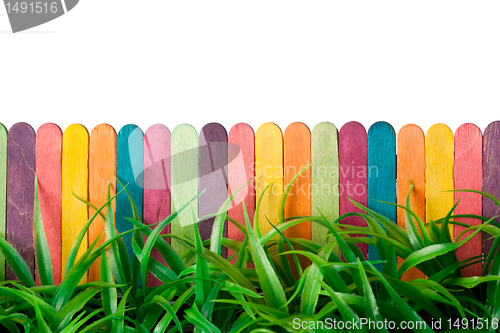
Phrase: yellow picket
pixel 268 169
pixel 439 172
pixel 74 180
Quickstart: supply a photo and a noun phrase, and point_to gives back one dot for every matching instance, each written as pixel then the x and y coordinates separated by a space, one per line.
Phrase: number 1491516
pixel 31 7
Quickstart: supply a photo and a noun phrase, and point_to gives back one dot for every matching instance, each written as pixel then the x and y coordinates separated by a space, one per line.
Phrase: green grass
pixel 214 295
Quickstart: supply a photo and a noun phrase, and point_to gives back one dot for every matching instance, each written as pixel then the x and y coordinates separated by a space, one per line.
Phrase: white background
pixel 173 62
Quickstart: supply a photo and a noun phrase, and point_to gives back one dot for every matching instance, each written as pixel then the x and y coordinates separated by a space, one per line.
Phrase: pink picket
pixel 48 170
pixel 353 174
pixel 156 184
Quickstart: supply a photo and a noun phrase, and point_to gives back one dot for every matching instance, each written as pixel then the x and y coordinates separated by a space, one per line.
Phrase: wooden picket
pixel 162 171
pixel 324 178
pixel 468 175
pixel 297 156
pixel 75 175
pixel 381 174
pixel 3 192
pixel 268 170
pixel 129 170
pixel 491 176
pixel 241 159
pixel 438 173
pixel 184 169
pixel 156 184
pixel 212 173
pixel 353 174
pixel 102 168
pixel 49 138
pixel 410 145
pixel 20 193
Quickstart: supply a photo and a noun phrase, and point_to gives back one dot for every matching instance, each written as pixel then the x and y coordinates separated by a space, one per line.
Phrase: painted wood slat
pixel 491 176
pixel 212 172
pixel 439 157
pixel 353 176
pixel 3 192
pixel 411 166
pixel 381 174
pixel 156 184
pixel 184 170
pixel 241 159
pixel 297 155
pixel 21 193
pixel 75 174
pixel 268 169
pixel 49 138
pixel 102 167
pixel 469 175
pixel 324 178
pixel 129 170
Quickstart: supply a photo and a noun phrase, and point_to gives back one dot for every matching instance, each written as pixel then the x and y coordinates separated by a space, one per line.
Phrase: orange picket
pixel 411 166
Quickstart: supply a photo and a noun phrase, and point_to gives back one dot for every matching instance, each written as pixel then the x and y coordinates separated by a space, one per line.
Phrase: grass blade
pixel 42 324
pixel 108 295
pixel 119 324
pixel 270 284
pixel 154 236
pixel 16 263
pixel 202 284
pixel 220 218
pixel 194 317
pixel 79 238
pixel 64 316
pixel 312 288
pixel 408 312
pixel 42 252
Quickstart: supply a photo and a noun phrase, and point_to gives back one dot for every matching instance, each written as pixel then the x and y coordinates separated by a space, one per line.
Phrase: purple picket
pixel 21 193
pixel 212 172
pixel 156 184
pixel 491 176
pixel 353 174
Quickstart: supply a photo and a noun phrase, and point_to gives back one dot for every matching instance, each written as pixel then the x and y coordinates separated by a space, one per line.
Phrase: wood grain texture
pixel 353 174
pixel 491 176
pixel 324 178
pixel 75 173
pixel 49 138
pixel 439 155
pixel 212 172
pixel 21 193
pixel 129 170
pixel 156 184
pixel 3 192
pixel 296 156
pixel 381 174
pixel 102 167
pixel 184 170
pixel 268 169
pixel 241 159
pixel 469 175
pixel 411 166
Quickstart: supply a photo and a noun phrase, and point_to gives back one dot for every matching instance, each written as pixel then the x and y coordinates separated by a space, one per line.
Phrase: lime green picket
pixel 324 177
pixel 184 171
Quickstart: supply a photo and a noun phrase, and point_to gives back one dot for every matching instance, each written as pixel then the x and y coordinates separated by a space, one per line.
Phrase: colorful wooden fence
pixel 164 169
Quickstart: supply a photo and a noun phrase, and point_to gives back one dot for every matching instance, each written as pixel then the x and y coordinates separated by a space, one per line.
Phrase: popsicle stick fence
pixel 164 170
